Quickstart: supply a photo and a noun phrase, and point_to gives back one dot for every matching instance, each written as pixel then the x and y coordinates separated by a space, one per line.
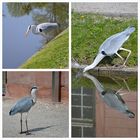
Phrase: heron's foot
pixel 122 66
pixel 107 66
pixel 25 132
pixel 119 66
pixel 22 132
pixel 116 66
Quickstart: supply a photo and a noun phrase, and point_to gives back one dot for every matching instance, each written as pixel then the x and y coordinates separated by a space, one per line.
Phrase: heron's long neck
pixel 98 85
pixel 33 94
pixel 98 58
pixel 34 29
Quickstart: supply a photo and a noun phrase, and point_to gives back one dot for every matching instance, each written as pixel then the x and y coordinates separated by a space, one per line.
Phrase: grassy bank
pixel 53 55
pixel 90 30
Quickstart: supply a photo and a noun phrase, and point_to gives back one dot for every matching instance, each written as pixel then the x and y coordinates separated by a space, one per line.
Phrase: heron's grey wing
pixel 112 44
pixel 109 43
pixel 112 100
pixel 120 98
pixel 23 105
pixel 47 26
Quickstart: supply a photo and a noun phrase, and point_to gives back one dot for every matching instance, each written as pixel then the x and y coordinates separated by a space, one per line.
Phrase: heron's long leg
pixel 27 132
pixel 119 56
pixel 118 91
pixel 127 55
pixel 21 124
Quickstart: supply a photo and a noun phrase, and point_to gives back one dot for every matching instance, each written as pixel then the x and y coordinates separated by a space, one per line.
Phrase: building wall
pixel 19 84
pixel 111 123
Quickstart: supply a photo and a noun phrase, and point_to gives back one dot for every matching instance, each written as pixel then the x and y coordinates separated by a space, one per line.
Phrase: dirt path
pixel 109 9
pixel 44 120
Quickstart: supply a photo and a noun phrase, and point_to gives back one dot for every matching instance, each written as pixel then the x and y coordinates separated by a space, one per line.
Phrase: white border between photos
pixel 69 69
pixel 1 69
pixel 70 1
pixel 138 104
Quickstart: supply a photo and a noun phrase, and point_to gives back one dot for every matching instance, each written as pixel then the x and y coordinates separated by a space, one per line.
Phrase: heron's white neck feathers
pixel 33 94
pixel 98 58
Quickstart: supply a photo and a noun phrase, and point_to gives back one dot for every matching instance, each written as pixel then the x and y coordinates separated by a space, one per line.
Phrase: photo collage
pixel 69 69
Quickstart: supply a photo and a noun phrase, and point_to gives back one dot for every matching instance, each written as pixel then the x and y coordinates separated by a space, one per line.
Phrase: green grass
pixel 89 31
pixel 53 55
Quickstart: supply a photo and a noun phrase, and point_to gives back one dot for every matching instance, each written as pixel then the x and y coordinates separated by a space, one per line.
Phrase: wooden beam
pixel 56 86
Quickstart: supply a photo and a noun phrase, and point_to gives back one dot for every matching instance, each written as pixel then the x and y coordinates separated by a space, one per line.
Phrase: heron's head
pixel 34 89
pixel 130 29
pixel 28 30
pixel 130 114
pixel 33 93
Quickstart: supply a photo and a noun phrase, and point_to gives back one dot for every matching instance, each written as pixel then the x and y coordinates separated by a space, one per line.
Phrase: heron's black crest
pixel 40 30
pixel 103 52
pixel 34 87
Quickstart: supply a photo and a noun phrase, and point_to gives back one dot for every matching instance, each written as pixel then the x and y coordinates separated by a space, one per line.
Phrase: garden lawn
pixel 89 31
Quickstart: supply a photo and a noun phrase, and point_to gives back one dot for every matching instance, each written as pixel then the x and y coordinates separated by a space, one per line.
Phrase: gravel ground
pixel 108 9
pixel 44 120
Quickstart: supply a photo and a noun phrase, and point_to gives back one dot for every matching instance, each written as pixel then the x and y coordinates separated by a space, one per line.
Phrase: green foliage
pixel 53 55
pixel 108 82
pixel 89 31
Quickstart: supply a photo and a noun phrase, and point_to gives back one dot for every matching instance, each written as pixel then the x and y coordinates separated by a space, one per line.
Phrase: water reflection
pixel 111 97
pixel 103 106
pixel 42 12
pixel 17 17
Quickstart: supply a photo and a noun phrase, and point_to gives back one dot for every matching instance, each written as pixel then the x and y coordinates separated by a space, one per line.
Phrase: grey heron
pixel 41 28
pixel 111 97
pixel 111 46
pixel 24 105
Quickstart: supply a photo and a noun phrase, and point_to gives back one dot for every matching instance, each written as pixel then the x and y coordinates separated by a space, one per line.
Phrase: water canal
pixel 17 17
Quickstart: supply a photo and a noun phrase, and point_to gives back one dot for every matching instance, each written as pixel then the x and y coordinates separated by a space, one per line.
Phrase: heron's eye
pixel 103 92
pixel 103 52
pixel 40 30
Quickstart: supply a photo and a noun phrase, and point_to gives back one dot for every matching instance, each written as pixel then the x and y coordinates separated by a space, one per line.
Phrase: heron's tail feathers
pixel 98 58
pixel 12 112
